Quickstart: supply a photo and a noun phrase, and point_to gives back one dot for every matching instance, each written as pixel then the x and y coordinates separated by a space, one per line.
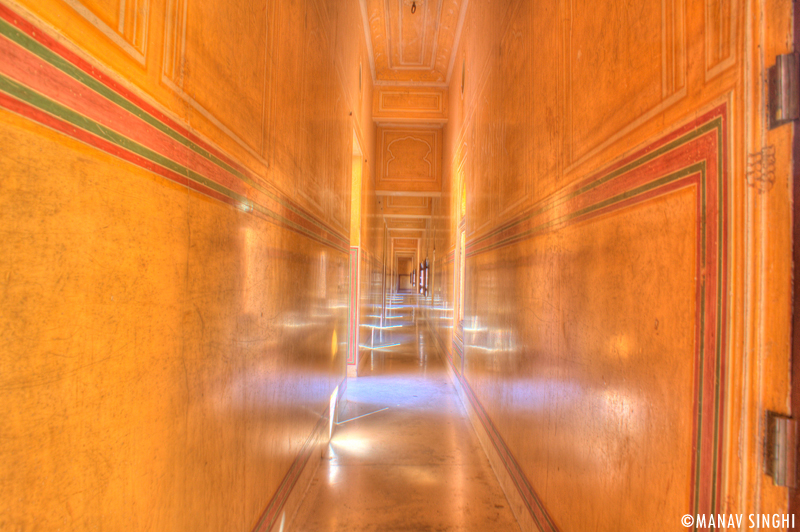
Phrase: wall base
pixel 515 499
pixel 297 482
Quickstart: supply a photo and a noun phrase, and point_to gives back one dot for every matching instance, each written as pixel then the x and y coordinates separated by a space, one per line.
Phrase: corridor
pixel 399 265
pixel 403 454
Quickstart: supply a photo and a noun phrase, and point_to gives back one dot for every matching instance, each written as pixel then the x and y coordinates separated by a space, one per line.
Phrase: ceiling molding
pixel 422 122
pixel 368 36
pixel 408 193
pixel 412 49
pixel 390 83
pixel 456 41
pixel 410 216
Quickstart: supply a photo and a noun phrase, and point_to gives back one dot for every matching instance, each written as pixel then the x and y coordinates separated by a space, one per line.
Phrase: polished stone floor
pixel 404 456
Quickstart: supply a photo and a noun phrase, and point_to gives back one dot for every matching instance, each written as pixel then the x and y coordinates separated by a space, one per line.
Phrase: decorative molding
pixel 392 83
pixel 694 156
pixel 42 80
pixel 407 201
pixel 479 176
pixel 406 223
pixel 673 82
pixel 175 41
pixel 408 193
pixel 673 47
pixel 341 168
pixel 417 145
pixel 405 243
pixel 131 31
pixel 457 40
pixel 368 38
pixel 516 111
pixel 174 77
pixel 409 159
pixel 412 216
pixel 402 63
pixel 720 36
pixel 412 48
pixel 409 104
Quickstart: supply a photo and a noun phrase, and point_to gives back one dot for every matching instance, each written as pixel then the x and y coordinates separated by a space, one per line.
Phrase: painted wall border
pixel 694 155
pixel 43 81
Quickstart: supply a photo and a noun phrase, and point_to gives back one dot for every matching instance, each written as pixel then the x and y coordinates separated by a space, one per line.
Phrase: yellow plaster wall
pixel 579 339
pixel 166 355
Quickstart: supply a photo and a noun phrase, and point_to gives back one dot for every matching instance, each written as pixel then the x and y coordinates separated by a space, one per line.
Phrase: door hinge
pixel 781 449
pixel 784 98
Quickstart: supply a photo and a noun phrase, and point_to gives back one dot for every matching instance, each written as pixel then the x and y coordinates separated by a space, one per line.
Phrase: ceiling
pixel 413 48
pixel 411 58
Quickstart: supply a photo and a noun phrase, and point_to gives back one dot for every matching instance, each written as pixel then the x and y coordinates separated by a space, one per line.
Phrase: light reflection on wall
pixel 322 276
pixel 251 254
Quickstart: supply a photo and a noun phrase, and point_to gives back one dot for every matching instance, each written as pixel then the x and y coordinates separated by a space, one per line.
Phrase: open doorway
pixel 405 271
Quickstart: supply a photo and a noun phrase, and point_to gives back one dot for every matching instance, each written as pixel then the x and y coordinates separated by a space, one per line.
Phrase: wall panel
pixel 601 149
pixel 317 99
pixel 409 159
pixel 206 75
pixel 720 32
pixel 124 23
pixel 175 304
pixel 397 104
pixel 603 102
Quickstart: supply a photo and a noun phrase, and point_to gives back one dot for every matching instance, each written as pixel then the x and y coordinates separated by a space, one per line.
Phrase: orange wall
pixel 615 317
pixel 174 260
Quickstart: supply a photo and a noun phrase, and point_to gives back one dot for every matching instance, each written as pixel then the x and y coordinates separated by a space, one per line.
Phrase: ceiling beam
pixel 408 193
pixel 408 216
pixel 417 121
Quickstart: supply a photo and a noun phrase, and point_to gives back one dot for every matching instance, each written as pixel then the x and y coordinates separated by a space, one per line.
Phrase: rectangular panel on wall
pixel 124 22
pixel 412 47
pixel 340 152
pixel 407 201
pixel 212 54
pixel 409 159
pixel 403 103
pixel 720 32
pixel 514 179
pixel 316 102
pixel 406 205
pixel 350 44
pixel 406 243
pixel 545 122
pixel 403 223
pixel 484 159
pixel 410 233
pixel 639 291
pixel 477 34
pixel 286 113
pixel 599 107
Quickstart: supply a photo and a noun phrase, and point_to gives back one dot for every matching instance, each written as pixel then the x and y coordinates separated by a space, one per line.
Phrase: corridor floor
pixel 404 456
